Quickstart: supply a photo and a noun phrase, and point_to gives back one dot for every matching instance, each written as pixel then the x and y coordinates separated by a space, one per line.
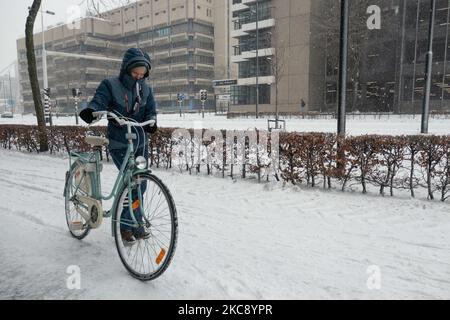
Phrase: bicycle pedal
pixel 76 225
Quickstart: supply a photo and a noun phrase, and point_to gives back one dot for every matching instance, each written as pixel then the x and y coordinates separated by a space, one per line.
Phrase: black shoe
pixel 141 233
pixel 127 238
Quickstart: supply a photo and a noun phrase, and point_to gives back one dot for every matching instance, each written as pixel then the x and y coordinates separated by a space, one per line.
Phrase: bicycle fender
pixel 65 183
pixel 141 171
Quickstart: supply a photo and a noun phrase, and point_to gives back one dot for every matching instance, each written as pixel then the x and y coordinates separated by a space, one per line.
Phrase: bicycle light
pixel 141 163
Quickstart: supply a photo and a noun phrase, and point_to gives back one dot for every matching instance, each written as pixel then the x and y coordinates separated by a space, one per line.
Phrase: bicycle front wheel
pixel 148 257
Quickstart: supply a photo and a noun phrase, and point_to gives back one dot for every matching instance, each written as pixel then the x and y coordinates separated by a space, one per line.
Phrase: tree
pixel 98 7
pixel 32 73
pixel 277 66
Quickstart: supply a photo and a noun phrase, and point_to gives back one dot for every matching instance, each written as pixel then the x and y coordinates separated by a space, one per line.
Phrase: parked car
pixel 7 115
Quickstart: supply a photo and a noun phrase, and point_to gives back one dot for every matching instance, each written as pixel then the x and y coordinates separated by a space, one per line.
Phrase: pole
pixel 415 60
pixel 228 53
pixel 257 60
pixel 402 53
pixel 426 94
pixel 44 68
pixel 10 93
pixel 203 109
pixel 4 94
pixel 49 111
pixel 343 68
pixel 76 110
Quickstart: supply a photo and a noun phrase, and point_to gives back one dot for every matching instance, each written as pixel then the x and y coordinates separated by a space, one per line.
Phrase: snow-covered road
pixel 237 240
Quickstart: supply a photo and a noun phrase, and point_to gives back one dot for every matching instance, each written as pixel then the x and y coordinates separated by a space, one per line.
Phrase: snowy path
pixel 237 240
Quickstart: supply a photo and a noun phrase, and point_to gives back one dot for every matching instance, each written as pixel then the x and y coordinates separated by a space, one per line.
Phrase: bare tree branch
pixel 278 64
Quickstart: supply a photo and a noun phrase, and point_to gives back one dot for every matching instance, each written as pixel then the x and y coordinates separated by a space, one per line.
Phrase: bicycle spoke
pixel 148 258
pixel 151 260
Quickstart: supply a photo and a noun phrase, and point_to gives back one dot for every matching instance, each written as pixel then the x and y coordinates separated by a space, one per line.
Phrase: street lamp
pixel 343 53
pixel 427 89
pixel 44 63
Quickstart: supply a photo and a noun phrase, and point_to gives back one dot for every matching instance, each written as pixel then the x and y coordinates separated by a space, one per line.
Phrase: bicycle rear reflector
pixel 76 225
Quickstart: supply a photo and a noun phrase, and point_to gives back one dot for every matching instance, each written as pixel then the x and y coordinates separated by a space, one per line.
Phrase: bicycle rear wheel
pixel 78 183
pixel 148 258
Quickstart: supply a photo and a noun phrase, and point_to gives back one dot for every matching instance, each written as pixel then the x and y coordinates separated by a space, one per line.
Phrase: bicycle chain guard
pixel 94 216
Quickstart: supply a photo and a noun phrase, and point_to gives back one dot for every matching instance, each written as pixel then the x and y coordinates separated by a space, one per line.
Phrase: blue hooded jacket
pixel 127 97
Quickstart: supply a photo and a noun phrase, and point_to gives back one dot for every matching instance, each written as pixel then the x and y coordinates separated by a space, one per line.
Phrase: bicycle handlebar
pixel 120 121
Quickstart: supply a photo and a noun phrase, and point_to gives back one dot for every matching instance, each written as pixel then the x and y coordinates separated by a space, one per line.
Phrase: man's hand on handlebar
pixel 151 128
pixel 87 115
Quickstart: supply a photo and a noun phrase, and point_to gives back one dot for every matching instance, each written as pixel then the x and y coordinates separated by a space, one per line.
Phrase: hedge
pixel 388 163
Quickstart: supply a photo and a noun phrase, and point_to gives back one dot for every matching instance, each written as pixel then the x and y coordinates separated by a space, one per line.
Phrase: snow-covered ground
pixel 237 240
pixel 356 125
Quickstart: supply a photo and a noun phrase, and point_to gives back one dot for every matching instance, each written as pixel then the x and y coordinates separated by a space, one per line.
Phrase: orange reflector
pixel 136 204
pixel 160 256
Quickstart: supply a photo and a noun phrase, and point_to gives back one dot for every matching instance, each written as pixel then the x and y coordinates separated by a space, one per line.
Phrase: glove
pixel 86 115
pixel 151 129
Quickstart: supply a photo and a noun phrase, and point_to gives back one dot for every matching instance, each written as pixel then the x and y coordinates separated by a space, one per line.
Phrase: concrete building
pixel 178 35
pixel 9 94
pixel 285 55
pixel 224 69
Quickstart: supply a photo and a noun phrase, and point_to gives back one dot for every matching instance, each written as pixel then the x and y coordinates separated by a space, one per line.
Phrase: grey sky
pixel 13 15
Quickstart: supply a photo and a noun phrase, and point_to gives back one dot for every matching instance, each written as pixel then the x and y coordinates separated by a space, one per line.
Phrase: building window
pixel 331 94
pixel 244 95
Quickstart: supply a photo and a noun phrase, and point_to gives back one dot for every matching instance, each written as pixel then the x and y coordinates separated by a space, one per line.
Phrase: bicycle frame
pixel 127 170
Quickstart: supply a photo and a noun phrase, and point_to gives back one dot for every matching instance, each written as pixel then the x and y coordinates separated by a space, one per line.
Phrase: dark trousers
pixel 118 156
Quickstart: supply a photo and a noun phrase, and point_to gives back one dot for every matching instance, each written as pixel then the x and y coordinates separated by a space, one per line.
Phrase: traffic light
pixel 76 92
pixel 203 95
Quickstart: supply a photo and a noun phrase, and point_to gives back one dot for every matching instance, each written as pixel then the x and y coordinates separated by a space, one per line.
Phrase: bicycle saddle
pixel 96 141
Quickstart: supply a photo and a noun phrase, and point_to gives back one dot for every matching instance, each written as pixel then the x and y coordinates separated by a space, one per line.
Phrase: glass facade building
pixel 386 55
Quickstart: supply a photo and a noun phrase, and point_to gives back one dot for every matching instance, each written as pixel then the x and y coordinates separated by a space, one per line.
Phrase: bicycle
pixel 136 189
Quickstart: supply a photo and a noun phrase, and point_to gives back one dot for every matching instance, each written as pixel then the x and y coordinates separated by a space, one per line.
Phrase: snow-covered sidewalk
pixel 237 240
pixel 356 125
